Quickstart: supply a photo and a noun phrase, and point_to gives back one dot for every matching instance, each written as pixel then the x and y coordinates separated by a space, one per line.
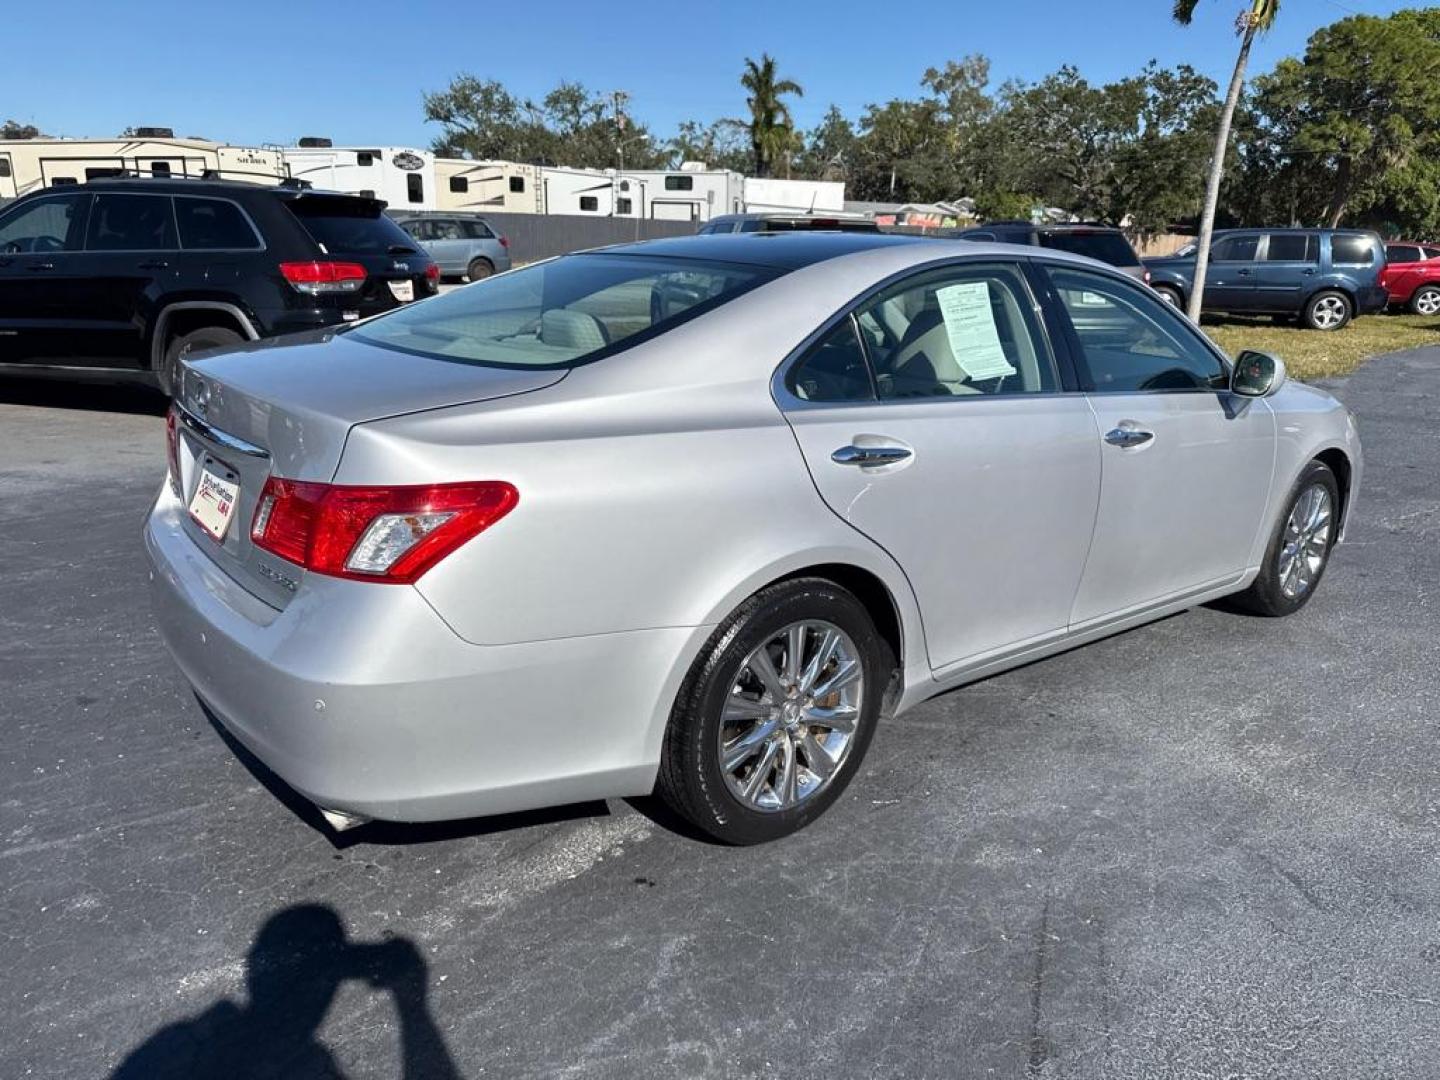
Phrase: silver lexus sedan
pixel 694 516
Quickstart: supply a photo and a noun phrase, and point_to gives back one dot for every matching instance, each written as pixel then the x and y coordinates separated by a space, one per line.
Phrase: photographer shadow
pixel 293 970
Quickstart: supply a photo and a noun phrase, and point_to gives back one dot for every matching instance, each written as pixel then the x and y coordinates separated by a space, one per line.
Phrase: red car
pixel 1412 276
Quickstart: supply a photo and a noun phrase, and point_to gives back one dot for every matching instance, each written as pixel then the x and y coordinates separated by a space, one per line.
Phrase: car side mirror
pixel 1257 374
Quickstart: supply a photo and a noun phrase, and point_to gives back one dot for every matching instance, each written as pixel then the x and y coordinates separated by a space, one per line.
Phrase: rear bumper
pixel 1368 301
pixel 363 700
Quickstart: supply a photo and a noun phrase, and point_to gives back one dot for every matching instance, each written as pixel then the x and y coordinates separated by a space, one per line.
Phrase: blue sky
pixel 265 71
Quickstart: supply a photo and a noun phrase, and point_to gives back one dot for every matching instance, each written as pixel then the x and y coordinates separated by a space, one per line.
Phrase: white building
pixel 28 165
pixel 769 194
pixel 403 177
pixel 690 193
pixel 500 186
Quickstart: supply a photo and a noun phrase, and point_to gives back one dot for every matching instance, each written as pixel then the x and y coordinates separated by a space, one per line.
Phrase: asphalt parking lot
pixel 1207 847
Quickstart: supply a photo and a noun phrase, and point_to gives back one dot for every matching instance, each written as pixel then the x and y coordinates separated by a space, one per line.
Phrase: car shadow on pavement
pixel 394 833
pixel 299 959
pixel 92 395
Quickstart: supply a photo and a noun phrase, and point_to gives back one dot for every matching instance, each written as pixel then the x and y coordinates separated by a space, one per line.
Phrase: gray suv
pixel 462 246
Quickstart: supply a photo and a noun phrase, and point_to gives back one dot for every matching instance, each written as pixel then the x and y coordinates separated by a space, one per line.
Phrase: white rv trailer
pixel 577 191
pixel 404 178
pixel 766 194
pixel 28 165
pixel 690 193
pixel 502 186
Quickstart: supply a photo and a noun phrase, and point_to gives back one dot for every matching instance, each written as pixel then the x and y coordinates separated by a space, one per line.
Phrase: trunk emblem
pixel 199 395
pixel 401 266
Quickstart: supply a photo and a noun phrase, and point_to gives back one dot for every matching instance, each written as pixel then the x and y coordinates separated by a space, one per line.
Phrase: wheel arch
pixel 1340 464
pixel 184 316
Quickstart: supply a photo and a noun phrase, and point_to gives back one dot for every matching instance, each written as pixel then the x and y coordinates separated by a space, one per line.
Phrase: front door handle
pixel 869 455
pixel 1128 436
pixel 39 266
pixel 154 265
pixel 1243 273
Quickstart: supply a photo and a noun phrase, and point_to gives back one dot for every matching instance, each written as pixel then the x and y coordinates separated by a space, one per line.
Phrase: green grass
pixel 1316 354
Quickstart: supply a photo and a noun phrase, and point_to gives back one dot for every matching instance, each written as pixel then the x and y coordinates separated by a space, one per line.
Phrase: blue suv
pixel 1325 277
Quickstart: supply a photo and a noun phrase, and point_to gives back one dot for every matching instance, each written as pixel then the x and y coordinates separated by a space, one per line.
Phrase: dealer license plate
pixel 213 504
pixel 404 291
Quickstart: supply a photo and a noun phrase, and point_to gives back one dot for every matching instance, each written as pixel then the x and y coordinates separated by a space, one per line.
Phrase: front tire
pixel 1299 550
pixel 1328 310
pixel 207 337
pixel 776 714
pixel 1426 300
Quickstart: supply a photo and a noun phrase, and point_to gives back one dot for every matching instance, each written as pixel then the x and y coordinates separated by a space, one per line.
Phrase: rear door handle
pixel 154 265
pixel 1243 273
pixel 869 455
pixel 39 266
pixel 1128 436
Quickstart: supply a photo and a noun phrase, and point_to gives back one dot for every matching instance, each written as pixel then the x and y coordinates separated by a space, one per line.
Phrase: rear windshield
pixel 1108 247
pixel 562 313
pixel 350 227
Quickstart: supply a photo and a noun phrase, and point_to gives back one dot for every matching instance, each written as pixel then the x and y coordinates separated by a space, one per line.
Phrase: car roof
pixel 781 251
pixel 184 186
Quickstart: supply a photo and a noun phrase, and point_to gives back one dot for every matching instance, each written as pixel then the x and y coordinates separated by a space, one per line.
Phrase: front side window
pixel 1403 253
pixel 1235 248
pixel 833 370
pixel 213 225
pixel 679 183
pixel 563 312
pixel 131 223
pixel 1292 247
pixel 459 185
pixel 1352 250
pixel 957 332
pixel 53 224
pixel 1131 340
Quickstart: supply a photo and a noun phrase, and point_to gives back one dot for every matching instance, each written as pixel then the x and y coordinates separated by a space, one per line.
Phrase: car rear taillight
pixel 172 447
pixel 324 276
pixel 504 242
pixel 389 534
pixel 432 277
pixel 1147 277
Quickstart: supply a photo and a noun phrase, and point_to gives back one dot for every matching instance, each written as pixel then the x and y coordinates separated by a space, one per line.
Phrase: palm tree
pixel 772 131
pixel 1257 20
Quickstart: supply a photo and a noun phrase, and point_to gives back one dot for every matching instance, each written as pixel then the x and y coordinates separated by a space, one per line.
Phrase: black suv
pixel 125 275
pixel 1103 242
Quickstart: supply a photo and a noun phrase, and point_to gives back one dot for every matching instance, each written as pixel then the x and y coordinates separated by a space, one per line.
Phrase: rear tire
pixel 207 337
pixel 786 766
pixel 1426 300
pixel 1328 310
pixel 1171 296
pixel 1299 548
pixel 479 269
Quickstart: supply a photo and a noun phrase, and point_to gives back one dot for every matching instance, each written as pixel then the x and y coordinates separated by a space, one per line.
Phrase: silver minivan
pixel 463 246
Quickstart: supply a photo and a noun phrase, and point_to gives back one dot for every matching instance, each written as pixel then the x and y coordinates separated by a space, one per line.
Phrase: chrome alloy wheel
pixel 1428 302
pixel 1306 541
pixel 791 715
pixel 1328 312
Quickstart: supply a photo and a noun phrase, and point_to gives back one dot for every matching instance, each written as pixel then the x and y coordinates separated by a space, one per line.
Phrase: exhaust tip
pixel 340 821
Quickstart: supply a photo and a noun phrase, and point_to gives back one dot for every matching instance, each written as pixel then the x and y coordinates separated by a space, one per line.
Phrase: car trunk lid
pixel 283 407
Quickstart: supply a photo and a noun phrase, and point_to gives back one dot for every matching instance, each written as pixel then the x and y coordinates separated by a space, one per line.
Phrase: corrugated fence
pixel 539 236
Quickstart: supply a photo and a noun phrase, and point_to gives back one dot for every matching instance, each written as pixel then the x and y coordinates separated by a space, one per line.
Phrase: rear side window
pixel 563 312
pixel 1108 247
pixel 131 223
pixel 1352 250
pixel 349 226
pixel 834 370
pixel 478 230
pixel 1293 247
pixel 213 225
pixel 53 224
pixel 1131 339
pixel 1403 253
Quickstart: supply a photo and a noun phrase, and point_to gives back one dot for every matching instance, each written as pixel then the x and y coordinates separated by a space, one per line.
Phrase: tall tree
pixel 13 129
pixel 772 130
pixel 1258 19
